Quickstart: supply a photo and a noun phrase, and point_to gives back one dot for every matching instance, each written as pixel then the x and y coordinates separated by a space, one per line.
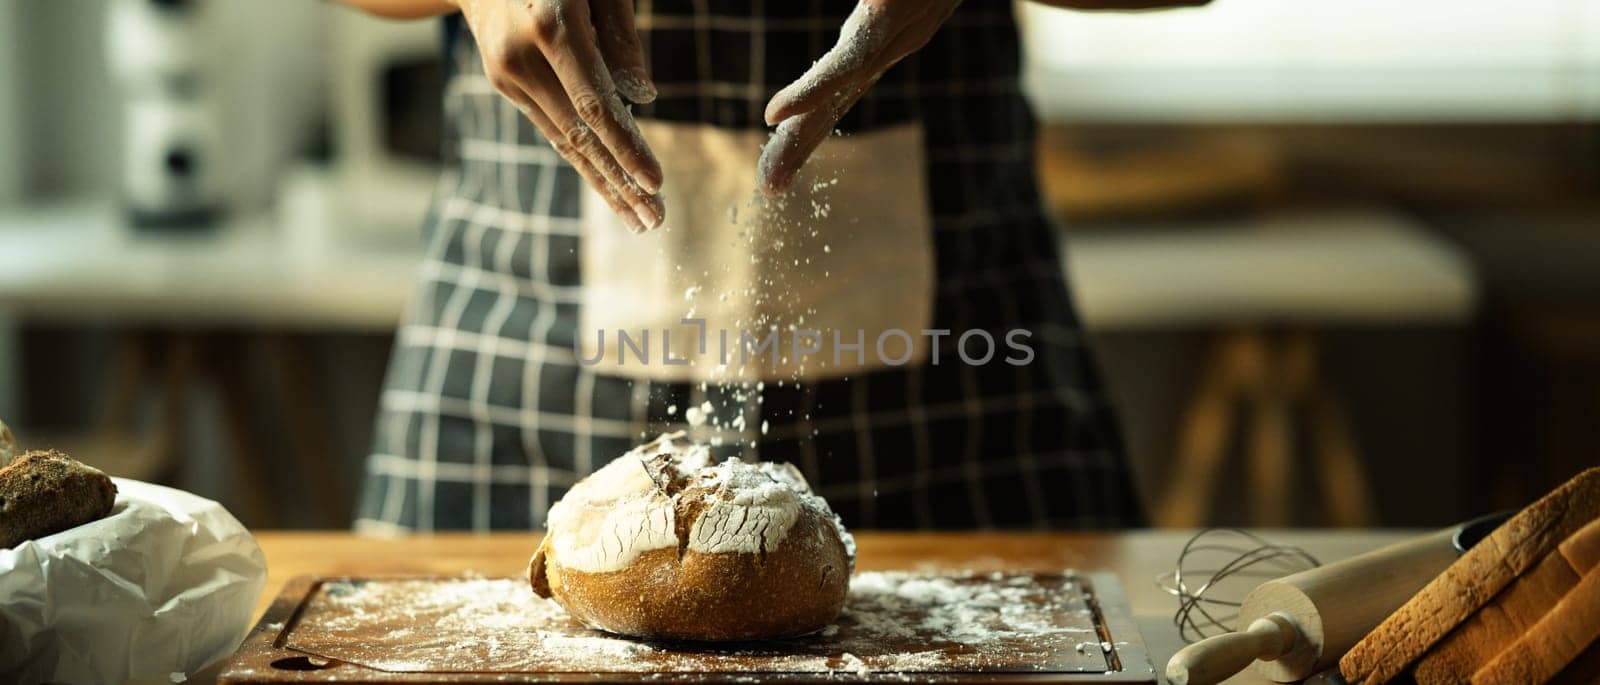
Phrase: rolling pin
pixel 1300 624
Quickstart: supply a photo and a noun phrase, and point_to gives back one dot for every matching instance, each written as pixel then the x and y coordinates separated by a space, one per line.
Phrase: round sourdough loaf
pixel 662 543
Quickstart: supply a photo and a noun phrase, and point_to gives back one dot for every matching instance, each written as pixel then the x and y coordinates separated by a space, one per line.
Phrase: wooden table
pixel 1136 557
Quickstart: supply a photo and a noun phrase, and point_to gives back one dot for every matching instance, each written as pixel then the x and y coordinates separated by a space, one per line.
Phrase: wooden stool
pixel 1276 377
pixel 1265 286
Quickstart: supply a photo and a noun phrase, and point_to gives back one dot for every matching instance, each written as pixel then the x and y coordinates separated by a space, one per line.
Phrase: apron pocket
pixel 846 257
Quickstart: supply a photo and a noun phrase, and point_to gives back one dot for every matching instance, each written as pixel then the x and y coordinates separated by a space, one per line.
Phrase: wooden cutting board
pixel 896 626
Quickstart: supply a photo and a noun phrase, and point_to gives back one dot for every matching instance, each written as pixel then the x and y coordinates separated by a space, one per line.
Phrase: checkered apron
pixel 487 417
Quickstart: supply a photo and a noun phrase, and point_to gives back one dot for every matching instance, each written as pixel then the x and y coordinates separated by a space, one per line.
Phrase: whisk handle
pixel 1214 659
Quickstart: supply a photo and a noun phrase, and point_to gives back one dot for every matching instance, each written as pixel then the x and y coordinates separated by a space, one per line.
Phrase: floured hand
pixel 876 36
pixel 567 64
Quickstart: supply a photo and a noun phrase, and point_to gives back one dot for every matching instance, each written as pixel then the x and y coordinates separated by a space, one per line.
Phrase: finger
pixel 594 178
pixel 601 186
pixel 797 137
pixel 859 52
pixel 789 148
pixel 619 45
pixel 574 139
pixel 570 46
pixel 561 141
pixel 629 216
pixel 581 143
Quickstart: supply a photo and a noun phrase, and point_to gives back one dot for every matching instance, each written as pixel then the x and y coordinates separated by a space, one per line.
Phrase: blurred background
pixel 1341 257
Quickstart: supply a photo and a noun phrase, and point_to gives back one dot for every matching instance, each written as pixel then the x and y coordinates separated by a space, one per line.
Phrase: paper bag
pixel 166 584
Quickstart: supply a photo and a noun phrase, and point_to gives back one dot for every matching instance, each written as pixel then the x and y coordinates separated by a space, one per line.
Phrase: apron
pixel 923 215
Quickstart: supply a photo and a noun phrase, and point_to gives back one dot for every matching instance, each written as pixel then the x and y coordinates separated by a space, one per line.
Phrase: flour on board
pixel 893 622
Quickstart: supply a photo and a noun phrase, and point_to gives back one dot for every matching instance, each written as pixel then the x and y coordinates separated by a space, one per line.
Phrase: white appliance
pixel 174 165
pixel 381 73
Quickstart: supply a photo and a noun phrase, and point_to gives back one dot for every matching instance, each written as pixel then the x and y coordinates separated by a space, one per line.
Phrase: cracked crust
pixel 721 552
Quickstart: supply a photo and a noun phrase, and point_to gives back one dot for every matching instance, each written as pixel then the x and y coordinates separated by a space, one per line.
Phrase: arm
pixel 403 9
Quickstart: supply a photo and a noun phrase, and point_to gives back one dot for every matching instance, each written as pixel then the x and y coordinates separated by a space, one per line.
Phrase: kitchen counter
pixel 1136 557
pixel 81 262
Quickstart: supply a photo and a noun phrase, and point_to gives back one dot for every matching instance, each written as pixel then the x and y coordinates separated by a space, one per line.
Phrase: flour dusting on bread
pixel 611 517
pixel 669 493
pixel 665 542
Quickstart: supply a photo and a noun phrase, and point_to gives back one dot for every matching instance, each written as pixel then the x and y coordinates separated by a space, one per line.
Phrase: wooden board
pixel 897 626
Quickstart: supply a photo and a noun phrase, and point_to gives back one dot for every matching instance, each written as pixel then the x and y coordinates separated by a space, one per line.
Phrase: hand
pixel 563 63
pixel 876 36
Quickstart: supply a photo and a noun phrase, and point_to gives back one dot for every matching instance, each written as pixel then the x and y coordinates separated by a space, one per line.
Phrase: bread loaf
pixel 1481 573
pixel 1549 645
pixel 1513 613
pixel 663 543
pixel 42 493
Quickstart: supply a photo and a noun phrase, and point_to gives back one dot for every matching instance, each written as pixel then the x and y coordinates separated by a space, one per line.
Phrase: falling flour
pixel 697 416
pixel 779 235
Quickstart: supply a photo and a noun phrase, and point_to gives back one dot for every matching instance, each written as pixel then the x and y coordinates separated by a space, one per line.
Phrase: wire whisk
pixel 1214 572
